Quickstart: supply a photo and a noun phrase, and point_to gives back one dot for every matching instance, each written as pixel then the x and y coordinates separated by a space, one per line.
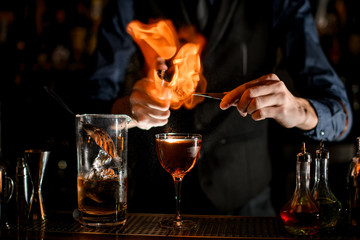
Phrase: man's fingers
pixel 263 102
pixel 153 113
pixel 161 64
pixel 268 112
pixel 232 97
pixel 259 94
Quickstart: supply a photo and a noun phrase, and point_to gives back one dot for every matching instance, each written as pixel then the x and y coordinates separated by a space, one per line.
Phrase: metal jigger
pixel 37 160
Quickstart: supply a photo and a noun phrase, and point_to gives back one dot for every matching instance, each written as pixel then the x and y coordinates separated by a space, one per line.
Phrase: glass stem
pixel 177 182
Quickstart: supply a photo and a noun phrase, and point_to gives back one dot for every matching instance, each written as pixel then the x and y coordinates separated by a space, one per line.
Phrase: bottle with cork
pixel 301 214
pixel 330 206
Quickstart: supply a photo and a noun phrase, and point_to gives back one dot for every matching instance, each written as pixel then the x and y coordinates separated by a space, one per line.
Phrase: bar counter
pixel 145 226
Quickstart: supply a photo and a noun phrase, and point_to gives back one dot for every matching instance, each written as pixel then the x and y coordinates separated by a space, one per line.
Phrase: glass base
pixel 109 220
pixel 182 224
pixel 302 230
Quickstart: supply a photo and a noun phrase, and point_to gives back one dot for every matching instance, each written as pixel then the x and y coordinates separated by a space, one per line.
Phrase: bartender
pixel 244 39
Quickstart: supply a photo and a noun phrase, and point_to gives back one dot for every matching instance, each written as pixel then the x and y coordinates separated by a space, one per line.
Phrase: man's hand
pixel 268 97
pixel 149 110
pixel 147 106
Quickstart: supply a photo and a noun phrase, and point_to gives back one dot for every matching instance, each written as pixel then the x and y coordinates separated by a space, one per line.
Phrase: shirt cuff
pixel 332 120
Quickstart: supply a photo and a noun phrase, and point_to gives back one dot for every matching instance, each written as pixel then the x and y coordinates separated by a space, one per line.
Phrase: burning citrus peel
pixel 101 138
pixel 182 50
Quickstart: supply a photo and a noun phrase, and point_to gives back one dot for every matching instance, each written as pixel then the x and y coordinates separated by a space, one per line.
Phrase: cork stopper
pixel 303 156
pixel 322 152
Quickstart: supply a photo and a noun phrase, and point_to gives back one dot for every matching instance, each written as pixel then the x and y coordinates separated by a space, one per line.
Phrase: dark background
pixel 51 43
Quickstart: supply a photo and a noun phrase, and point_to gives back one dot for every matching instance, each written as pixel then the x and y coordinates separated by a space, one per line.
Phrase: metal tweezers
pixel 163 75
pixel 217 96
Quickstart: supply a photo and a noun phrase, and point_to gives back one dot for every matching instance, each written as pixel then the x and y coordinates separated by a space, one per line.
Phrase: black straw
pixel 58 99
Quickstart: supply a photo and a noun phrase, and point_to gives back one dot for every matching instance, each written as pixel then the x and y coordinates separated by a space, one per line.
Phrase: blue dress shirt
pixel 292 29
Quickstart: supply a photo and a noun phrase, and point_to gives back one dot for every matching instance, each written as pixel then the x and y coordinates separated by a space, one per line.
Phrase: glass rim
pixel 186 135
pixel 36 150
pixel 98 115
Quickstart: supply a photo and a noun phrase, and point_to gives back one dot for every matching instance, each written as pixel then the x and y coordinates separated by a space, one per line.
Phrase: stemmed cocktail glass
pixel 178 153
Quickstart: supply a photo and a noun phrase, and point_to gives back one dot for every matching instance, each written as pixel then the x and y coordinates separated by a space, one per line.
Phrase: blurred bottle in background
pixel 353 189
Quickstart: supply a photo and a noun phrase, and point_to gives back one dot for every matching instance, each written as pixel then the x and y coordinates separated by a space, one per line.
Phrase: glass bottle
pixel 330 206
pixel 301 214
pixel 353 189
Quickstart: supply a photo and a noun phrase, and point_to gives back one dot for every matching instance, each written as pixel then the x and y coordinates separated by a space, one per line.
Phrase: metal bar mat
pixel 148 225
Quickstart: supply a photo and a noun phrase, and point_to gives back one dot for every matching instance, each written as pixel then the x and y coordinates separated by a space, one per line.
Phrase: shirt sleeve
pixel 114 50
pixel 313 76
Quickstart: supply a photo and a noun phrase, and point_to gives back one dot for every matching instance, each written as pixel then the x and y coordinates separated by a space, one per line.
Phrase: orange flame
pixel 160 39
